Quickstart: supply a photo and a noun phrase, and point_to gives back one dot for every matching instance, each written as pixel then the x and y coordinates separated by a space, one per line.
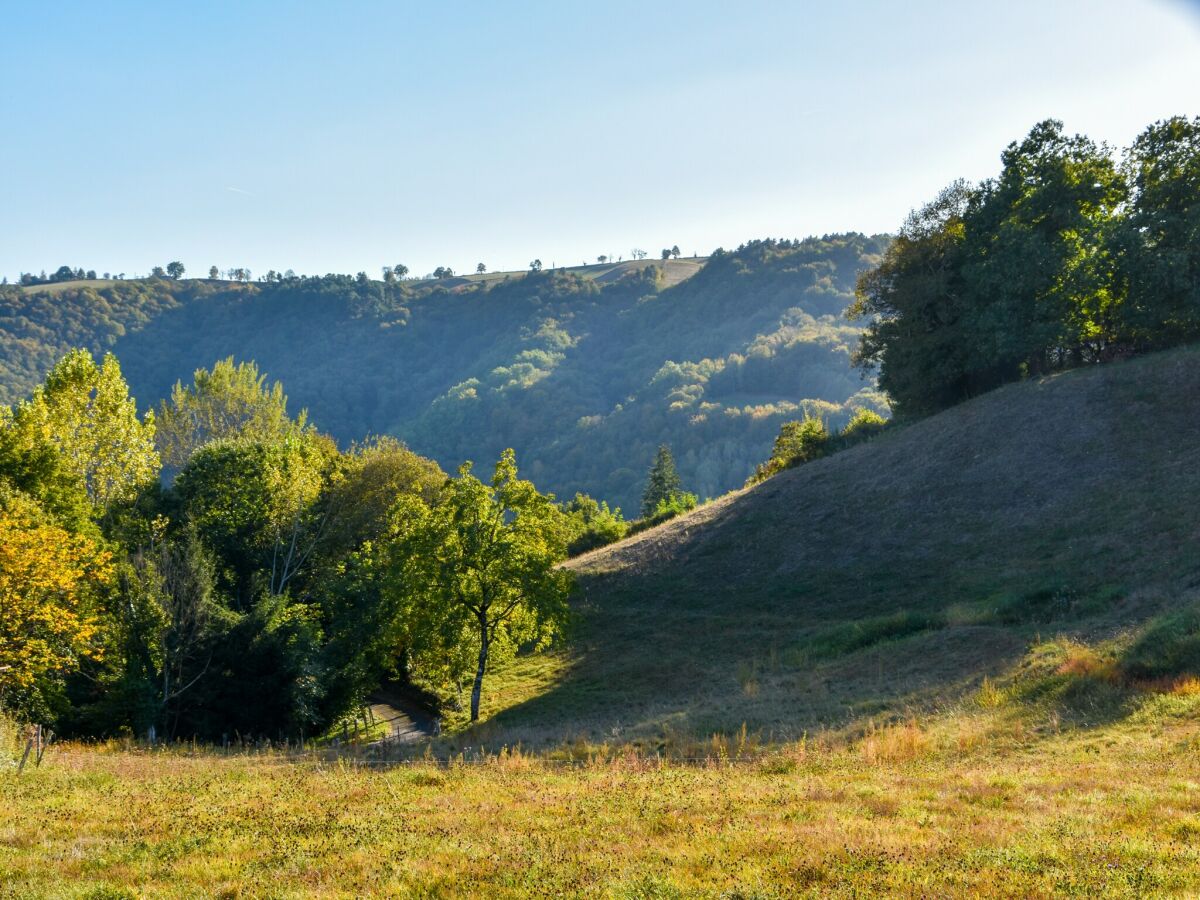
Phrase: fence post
pixel 25 756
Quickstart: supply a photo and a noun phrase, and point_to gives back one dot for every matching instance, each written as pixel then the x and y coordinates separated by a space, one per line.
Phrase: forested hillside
pixel 584 373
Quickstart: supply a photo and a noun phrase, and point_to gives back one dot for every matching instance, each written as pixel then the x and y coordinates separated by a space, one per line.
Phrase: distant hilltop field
pixel 585 371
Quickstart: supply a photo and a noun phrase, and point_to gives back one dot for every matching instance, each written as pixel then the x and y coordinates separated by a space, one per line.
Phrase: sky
pixel 341 137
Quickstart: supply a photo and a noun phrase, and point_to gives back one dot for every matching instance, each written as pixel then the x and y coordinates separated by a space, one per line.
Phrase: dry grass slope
pixel 892 578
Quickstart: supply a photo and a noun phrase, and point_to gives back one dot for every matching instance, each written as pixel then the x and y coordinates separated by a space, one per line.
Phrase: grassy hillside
pixel 1043 537
pixel 584 372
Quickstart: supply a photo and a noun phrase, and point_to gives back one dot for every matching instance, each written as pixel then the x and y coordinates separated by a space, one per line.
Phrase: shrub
pixel 666 510
pixel 863 424
pixel 797 443
pixel 592 524
pixel 1169 646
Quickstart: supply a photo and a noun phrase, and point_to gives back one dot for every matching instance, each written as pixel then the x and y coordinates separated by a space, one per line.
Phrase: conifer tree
pixel 663 483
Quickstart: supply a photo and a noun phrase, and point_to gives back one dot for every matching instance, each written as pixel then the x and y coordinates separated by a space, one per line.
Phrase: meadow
pixel 988 798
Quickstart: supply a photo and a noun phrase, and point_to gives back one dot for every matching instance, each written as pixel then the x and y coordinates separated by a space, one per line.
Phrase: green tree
pixel 663 485
pixel 85 412
pixel 175 269
pixel 988 284
pixel 1161 236
pixel 230 401
pixel 168 623
pixel 39 470
pixel 1041 283
pixel 480 269
pixel 914 301
pixel 479 571
pixel 368 481
pixel 214 273
pixel 256 506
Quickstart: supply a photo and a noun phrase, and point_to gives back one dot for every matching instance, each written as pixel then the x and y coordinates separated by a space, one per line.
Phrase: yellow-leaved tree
pixel 49 579
pixel 84 410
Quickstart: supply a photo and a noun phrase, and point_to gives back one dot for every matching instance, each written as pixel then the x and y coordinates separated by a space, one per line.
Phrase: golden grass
pixel 962 805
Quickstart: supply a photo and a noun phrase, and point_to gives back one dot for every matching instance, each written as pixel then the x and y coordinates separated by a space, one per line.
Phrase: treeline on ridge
pixel 584 377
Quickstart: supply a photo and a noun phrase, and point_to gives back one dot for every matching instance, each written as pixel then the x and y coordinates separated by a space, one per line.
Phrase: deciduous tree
pixel 48 582
pixel 479 571
pixel 86 413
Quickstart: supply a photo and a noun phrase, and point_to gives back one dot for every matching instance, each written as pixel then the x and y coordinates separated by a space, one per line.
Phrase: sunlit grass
pixel 1000 795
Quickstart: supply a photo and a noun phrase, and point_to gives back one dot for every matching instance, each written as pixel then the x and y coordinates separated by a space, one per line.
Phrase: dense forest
pixel 584 376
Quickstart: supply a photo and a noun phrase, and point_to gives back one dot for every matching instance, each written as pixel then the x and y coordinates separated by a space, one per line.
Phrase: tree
pixel 1160 241
pixel 1041 286
pixel 914 303
pixel 637 253
pixel 666 253
pixel 230 401
pixel 480 269
pixel 85 412
pixel 479 569
pixel 255 505
pixel 214 273
pixel 157 272
pixel 48 583
pixel 399 270
pixel 602 259
pixel 175 269
pixel 443 272
pixel 170 622
pixel 675 251
pixel 535 266
pixel 368 481
pixel 663 483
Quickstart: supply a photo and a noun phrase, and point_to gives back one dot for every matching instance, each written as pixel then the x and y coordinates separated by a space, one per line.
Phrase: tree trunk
pixel 483 655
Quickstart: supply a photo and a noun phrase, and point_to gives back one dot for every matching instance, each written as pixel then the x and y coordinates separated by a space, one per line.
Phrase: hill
pixel 1042 536
pixel 584 372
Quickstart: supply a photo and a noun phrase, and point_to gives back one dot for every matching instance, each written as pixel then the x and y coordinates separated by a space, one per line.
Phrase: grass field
pixel 981 800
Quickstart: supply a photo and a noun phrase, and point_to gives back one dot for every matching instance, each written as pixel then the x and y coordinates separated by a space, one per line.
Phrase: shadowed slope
pixel 895 575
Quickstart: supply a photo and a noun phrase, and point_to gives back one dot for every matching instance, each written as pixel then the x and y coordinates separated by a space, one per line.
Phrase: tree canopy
pixel 478 572
pixel 1066 258
pixel 231 400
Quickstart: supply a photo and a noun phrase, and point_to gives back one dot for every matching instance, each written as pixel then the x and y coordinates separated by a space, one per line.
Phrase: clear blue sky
pixel 344 136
